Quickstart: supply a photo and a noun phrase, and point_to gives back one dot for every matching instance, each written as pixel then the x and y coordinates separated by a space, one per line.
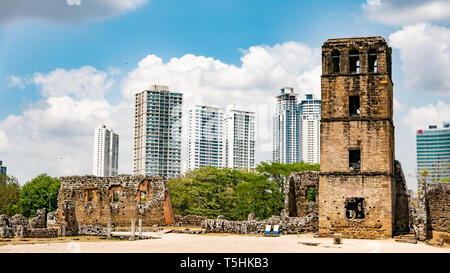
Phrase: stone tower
pixel 357 184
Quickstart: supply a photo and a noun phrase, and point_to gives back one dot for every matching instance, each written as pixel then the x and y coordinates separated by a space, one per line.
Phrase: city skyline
pixel 84 69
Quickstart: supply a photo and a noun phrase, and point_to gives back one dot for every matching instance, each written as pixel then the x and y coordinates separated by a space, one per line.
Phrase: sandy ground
pixel 226 243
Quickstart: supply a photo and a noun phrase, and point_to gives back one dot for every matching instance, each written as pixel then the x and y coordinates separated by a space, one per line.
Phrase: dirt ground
pixel 213 243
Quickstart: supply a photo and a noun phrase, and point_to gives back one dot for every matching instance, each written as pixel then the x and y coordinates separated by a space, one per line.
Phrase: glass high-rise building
pixel 310 111
pixel 239 139
pixel 286 128
pixel 433 152
pixel 2 168
pixel 106 152
pixel 157 132
pixel 205 137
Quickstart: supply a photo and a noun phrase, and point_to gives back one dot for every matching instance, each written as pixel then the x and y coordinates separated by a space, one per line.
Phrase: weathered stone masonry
pixel 86 202
pixel 357 193
pixel 438 198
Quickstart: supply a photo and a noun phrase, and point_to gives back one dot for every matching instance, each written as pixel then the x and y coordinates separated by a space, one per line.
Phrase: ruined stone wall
pixel 357 201
pixel 401 202
pixel 296 200
pixel 438 198
pixel 288 225
pixel 22 227
pixel 91 200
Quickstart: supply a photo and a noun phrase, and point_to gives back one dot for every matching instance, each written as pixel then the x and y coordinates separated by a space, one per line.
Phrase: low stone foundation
pixel 288 225
pixel 40 233
pixel 91 230
pixel 22 227
pixel 6 232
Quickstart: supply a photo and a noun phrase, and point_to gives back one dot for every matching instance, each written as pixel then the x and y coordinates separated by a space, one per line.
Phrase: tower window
pixel 353 106
pixel 354 159
pixel 354 208
pixel 354 61
pixel 373 62
pixel 335 61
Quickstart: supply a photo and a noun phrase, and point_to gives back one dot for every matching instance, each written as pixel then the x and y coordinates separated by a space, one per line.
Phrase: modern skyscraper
pixel 310 129
pixel 205 137
pixel 239 143
pixel 433 152
pixel 106 152
pixel 286 128
pixel 2 168
pixel 157 132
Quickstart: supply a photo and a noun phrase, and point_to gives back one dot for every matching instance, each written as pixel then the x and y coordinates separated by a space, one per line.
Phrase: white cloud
pixel 64 11
pixel 431 114
pixel 395 12
pixel 264 70
pixel 73 2
pixel 397 106
pixel 425 54
pixel 86 82
pixel 16 82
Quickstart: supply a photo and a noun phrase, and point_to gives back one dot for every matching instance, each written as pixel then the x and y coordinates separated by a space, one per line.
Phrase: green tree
pixel 279 172
pixel 40 192
pixel 9 195
pixel 258 195
pixel 206 191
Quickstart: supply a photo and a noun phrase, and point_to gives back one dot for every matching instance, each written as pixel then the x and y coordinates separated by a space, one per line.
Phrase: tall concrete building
pixel 286 128
pixel 239 142
pixel 106 152
pixel 157 132
pixel 310 129
pixel 2 168
pixel 205 137
pixel 357 181
pixel 433 152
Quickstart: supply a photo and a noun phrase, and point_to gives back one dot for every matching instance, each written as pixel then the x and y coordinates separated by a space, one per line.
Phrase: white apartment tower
pixel 310 111
pixel 286 128
pixel 106 152
pixel 205 137
pixel 157 132
pixel 239 140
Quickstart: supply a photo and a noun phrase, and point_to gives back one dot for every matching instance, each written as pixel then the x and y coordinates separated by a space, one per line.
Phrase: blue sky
pixel 112 37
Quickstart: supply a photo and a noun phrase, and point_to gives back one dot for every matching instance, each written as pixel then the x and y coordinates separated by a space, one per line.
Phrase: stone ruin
pixel 432 212
pixel 85 203
pixel 288 225
pixel 19 226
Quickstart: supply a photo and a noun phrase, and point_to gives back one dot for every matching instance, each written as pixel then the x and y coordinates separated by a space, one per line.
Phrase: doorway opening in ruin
pixel 354 208
pixel 353 106
pixel 373 62
pixel 143 196
pixel 90 195
pixel 292 208
pixel 335 61
pixel 311 194
pixel 116 196
pixel 353 58
pixel 355 159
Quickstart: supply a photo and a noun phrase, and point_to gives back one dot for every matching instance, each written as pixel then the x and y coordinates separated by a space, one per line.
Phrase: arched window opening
pixel 373 62
pixel 335 61
pixel 115 193
pixel 353 57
